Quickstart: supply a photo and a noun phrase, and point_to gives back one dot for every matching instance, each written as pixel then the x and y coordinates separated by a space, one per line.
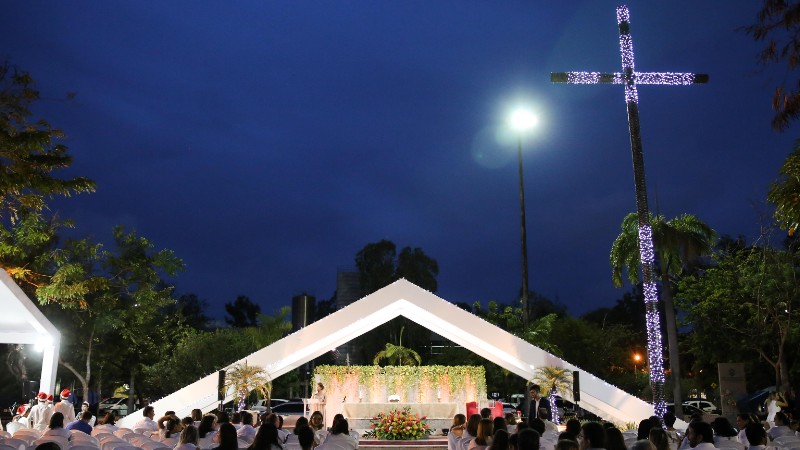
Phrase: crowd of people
pixel 217 430
pixel 481 432
pixel 220 431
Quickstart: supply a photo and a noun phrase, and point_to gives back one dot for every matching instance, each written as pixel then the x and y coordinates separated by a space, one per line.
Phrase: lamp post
pixel 522 120
pixel 636 358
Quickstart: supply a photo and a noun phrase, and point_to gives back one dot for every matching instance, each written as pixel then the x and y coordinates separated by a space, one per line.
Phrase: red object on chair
pixel 497 411
pixel 472 408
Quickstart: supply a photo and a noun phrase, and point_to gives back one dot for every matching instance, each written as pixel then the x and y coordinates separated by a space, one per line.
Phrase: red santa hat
pixel 22 408
pixel 50 398
pixel 41 396
pixel 65 393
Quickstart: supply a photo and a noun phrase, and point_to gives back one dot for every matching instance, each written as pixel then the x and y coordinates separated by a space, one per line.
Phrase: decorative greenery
pixel 244 379
pixel 408 378
pixel 400 425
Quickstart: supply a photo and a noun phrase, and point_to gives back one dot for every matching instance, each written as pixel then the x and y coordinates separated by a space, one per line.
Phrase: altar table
pixel 370 410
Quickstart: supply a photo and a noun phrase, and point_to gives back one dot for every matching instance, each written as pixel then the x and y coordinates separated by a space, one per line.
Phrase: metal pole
pixel 525 311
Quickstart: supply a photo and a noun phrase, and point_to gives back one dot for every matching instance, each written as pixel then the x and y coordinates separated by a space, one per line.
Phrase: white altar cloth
pixel 370 410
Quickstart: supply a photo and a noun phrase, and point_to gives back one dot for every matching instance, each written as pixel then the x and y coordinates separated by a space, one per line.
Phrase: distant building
pixel 348 290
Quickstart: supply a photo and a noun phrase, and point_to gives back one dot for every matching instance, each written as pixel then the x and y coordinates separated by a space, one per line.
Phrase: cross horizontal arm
pixel 670 78
pixel 586 77
pixel 674 78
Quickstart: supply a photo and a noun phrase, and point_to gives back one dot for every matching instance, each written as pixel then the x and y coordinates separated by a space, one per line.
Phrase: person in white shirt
pixel 756 436
pixel 65 407
pixel 146 423
pixel 781 427
pixel 39 418
pixel 700 436
pixel 246 432
pixel 456 431
pixel 340 435
pixel 84 408
pixel 56 427
pixel 189 439
pixel 742 420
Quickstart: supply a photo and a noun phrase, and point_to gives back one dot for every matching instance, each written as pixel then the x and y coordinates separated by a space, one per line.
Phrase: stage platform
pixel 431 442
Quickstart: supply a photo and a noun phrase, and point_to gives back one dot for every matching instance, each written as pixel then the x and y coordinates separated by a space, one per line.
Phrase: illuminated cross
pixel 630 78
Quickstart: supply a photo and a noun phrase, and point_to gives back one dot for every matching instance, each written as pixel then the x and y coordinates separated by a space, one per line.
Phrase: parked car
pixel 703 404
pixel 290 411
pixel 117 405
pixel 689 410
pixel 261 405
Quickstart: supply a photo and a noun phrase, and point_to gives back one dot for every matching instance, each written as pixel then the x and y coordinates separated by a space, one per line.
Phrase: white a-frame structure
pixel 403 298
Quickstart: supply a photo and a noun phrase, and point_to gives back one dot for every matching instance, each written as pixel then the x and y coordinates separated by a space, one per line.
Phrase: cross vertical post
pixel 630 78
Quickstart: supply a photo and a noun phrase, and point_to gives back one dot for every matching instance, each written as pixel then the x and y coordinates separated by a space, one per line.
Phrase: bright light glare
pixel 523 120
pixel 41 343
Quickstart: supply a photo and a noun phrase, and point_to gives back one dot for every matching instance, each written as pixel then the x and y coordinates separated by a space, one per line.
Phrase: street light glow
pixel 523 120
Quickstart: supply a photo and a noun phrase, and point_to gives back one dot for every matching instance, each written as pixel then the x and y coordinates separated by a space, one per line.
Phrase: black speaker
pixel 221 385
pixel 576 386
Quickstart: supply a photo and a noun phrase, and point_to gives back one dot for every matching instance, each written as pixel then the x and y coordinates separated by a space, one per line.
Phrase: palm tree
pixel 243 380
pixel 553 380
pixel 397 355
pixel 678 243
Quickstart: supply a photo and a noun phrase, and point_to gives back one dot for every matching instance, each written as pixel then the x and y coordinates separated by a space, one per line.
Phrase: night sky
pixel 266 142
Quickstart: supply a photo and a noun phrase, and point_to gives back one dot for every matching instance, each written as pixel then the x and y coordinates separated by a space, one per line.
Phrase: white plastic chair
pixel 29 431
pixel 7 447
pixel 152 445
pixel 122 432
pixel 109 443
pixel 63 443
pixel 125 446
pixel 28 438
pixel 81 446
pixel 17 443
pixel 14 426
pixel 5 434
pixel 83 438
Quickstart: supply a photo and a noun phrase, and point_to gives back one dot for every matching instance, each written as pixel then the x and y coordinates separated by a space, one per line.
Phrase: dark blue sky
pixel 266 142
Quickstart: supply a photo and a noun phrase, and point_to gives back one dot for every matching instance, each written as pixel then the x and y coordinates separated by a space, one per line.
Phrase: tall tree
pixel 117 297
pixel 677 242
pixel 746 306
pixel 29 153
pixel 784 193
pixel 190 310
pixel 378 266
pixel 778 26
pixel 242 312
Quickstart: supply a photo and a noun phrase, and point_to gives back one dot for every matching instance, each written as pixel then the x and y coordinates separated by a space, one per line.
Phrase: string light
pixel 630 78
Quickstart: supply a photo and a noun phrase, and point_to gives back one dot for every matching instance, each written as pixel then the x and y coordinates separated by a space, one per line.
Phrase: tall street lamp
pixel 521 121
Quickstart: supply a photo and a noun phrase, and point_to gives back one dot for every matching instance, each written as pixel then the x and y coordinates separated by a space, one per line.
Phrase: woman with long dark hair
pixel 266 438
pixel 226 437
pixel 56 427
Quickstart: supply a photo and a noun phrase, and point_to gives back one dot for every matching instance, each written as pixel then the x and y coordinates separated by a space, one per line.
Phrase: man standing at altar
pixel 539 407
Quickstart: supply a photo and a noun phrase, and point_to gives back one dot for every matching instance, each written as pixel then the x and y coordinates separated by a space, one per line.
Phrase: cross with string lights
pixel 629 77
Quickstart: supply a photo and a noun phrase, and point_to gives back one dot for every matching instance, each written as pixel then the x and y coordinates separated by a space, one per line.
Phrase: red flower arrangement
pixel 400 425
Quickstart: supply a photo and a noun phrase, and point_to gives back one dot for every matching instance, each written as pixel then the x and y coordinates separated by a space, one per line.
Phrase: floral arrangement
pixel 399 424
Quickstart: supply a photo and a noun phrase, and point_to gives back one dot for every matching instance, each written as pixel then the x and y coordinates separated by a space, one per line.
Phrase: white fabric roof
pixel 21 322
pixel 403 298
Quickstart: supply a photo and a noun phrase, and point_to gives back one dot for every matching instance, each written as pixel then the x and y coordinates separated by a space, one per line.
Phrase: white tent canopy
pixel 403 298
pixel 21 322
